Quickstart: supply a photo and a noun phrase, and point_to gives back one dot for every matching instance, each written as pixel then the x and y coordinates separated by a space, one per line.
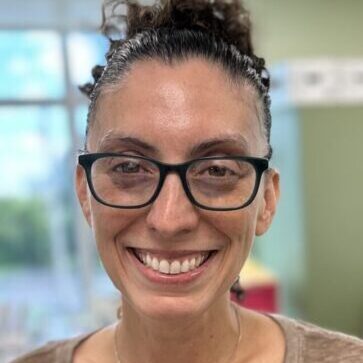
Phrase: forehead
pixel 177 106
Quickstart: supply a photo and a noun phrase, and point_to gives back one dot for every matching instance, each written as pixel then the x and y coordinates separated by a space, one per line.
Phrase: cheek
pixel 107 224
pixel 238 227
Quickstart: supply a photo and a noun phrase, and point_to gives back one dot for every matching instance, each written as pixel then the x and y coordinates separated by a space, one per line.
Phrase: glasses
pixel 212 183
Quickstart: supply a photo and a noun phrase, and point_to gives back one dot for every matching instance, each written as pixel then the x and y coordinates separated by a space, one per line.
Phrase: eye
pixel 128 167
pixel 219 171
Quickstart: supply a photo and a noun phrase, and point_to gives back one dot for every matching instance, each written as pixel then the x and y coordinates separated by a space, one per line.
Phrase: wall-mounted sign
pixel 318 82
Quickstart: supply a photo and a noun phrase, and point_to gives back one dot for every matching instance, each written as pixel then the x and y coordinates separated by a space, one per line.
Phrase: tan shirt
pixel 305 343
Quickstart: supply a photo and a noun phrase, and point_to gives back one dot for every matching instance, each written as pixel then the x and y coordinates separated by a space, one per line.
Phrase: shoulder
pixel 46 353
pixel 309 343
pixel 53 352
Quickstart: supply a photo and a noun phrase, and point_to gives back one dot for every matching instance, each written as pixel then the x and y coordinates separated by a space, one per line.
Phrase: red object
pixel 261 298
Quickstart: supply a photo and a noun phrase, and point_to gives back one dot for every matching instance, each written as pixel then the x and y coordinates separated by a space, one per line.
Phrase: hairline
pixel 240 81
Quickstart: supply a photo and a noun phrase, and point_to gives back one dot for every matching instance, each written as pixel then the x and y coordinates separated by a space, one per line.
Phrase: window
pixel 46 253
pixel 31 65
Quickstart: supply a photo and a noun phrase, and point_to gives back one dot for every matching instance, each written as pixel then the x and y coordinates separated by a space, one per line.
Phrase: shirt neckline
pixel 293 341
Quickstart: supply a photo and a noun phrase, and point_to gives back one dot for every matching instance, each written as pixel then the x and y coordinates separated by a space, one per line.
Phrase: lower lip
pixel 160 278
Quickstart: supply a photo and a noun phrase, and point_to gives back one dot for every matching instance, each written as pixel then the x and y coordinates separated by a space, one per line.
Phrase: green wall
pixel 331 139
pixel 309 28
pixel 334 202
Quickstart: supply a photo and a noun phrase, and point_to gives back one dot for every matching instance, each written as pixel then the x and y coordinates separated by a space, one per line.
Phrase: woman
pixel 175 183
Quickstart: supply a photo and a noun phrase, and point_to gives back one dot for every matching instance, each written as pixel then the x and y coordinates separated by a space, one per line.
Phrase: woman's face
pixel 173 114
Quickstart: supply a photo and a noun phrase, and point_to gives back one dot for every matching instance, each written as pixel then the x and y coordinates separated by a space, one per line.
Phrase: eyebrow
pixel 235 141
pixel 112 140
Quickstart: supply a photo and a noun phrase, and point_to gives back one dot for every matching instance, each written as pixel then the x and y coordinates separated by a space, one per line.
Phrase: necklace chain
pixel 117 354
pixel 230 358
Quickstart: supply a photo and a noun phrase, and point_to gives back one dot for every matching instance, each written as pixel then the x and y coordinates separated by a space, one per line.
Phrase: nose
pixel 172 215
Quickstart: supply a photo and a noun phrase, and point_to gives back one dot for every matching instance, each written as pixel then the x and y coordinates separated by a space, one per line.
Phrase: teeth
pixel 185 266
pixel 155 264
pixel 175 267
pixel 164 267
pixel 198 261
pixel 192 264
pixel 171 267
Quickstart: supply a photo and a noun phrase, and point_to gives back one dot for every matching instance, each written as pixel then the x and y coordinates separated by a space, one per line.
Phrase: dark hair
pixel 173 30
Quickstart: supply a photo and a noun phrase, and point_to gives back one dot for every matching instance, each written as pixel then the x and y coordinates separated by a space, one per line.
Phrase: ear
pixel 267 208
pixel 83 194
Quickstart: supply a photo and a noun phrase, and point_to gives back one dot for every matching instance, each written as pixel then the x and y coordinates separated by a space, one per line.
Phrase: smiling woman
pixel 175 183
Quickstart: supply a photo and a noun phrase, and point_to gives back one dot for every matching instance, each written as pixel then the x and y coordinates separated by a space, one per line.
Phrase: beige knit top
pixel 305 343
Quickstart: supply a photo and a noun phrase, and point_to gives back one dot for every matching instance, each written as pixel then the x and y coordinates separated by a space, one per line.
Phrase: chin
pixel 163 308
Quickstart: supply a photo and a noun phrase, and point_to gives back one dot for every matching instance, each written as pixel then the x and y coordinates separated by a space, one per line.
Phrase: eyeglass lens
pixel 124 181
pixel 222 183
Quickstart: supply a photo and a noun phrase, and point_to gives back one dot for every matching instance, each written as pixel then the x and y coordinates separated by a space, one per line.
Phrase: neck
pixel 212 336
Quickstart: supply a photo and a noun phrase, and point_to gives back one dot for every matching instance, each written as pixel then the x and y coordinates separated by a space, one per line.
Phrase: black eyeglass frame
pixel 260 165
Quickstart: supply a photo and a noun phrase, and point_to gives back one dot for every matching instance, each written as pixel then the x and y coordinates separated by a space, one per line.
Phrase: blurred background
pixel 51 282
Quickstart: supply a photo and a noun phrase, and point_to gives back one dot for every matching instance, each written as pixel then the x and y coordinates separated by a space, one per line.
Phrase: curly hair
pixel 172 30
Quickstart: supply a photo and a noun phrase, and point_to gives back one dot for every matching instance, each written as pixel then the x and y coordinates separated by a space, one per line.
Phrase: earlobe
pixel 269 202
pixel 82 194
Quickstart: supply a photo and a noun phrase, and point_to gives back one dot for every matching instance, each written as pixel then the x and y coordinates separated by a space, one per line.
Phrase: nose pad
pixel 172 212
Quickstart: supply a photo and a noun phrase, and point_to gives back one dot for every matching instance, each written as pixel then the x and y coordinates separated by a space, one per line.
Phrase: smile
pixel 171 265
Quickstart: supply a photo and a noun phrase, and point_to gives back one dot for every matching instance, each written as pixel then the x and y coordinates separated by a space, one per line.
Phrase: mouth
pixel 171 267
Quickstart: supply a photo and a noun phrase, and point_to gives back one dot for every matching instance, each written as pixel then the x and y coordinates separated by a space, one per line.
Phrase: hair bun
pixel 228 20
